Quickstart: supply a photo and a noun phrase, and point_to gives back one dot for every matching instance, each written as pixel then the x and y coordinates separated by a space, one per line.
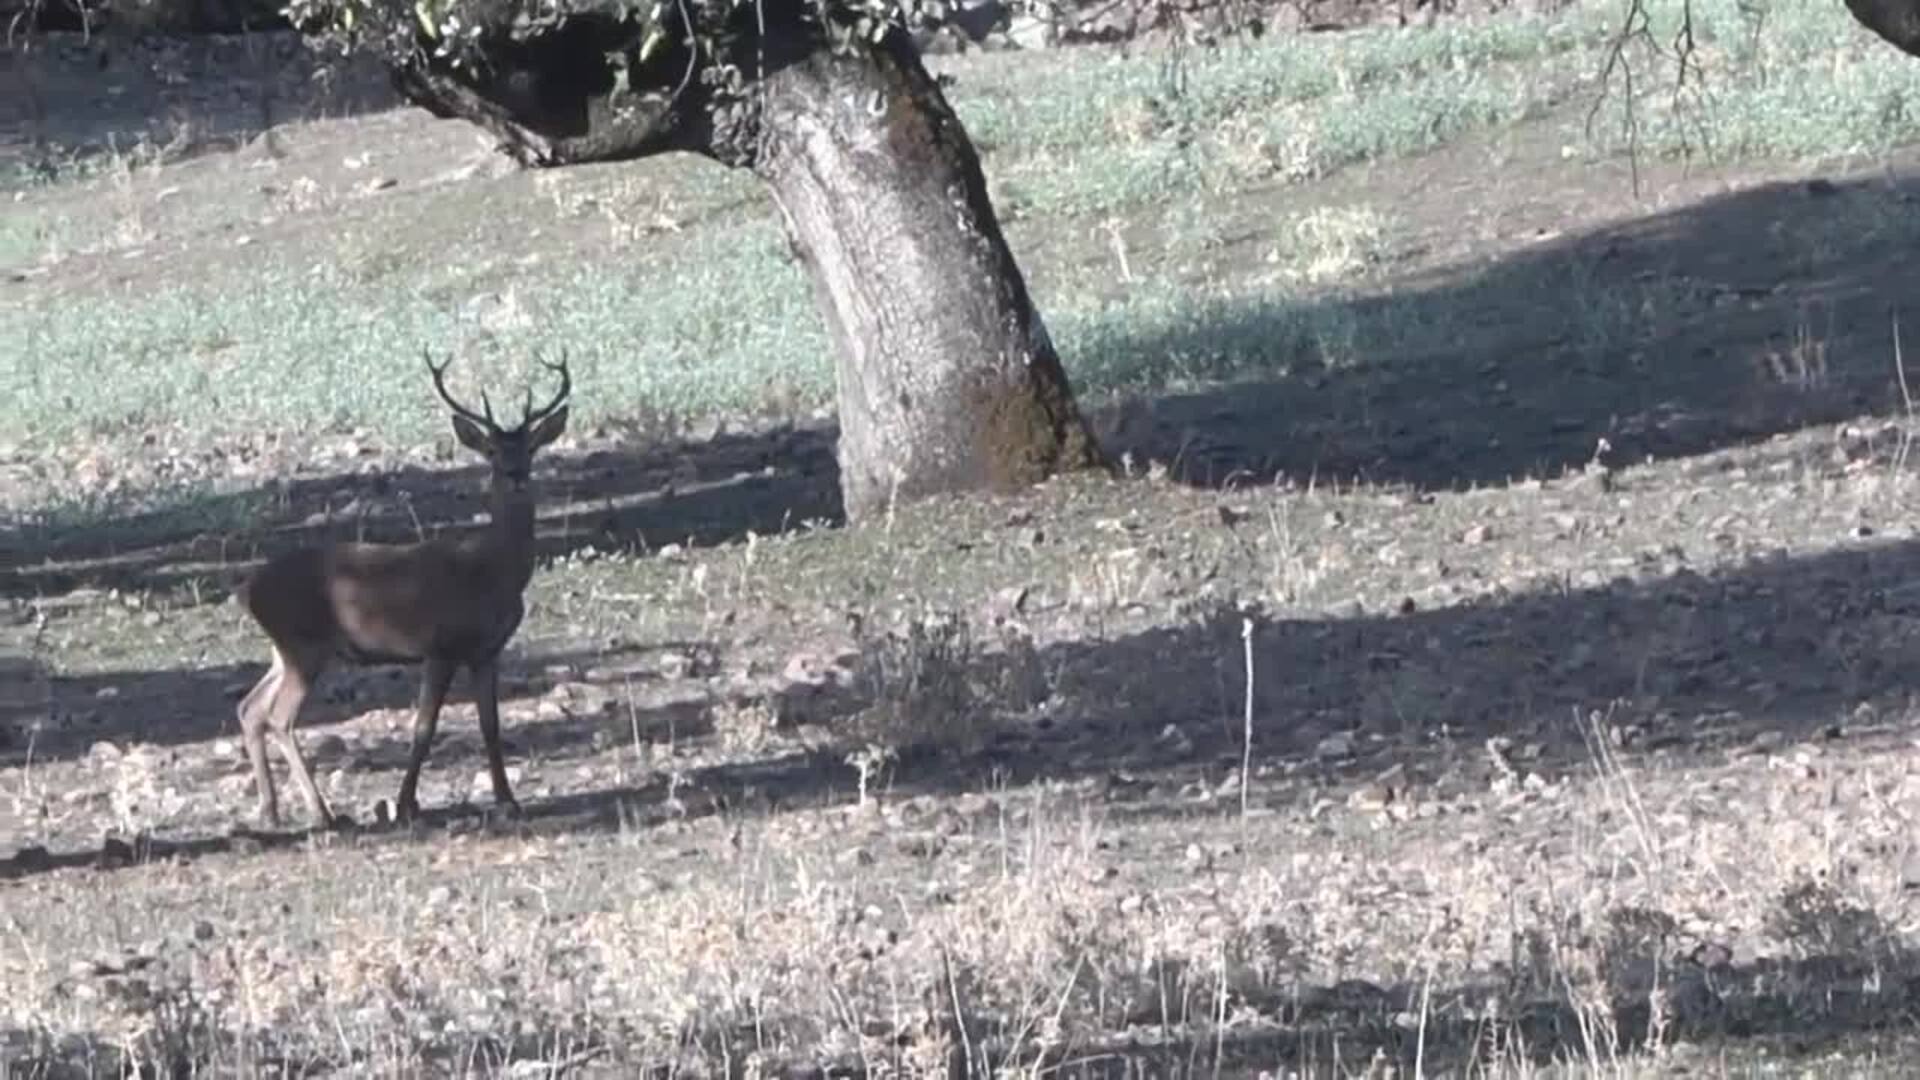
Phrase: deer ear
pixel 548 429
pixel 470 434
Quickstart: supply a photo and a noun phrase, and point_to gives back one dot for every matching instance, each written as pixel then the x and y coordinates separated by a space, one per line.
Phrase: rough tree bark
pixel 946 377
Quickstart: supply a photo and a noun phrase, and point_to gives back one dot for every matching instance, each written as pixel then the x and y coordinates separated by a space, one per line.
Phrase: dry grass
pixel 1007 930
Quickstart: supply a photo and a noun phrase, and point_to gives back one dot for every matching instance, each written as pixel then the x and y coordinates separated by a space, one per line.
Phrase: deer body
pixel 446 604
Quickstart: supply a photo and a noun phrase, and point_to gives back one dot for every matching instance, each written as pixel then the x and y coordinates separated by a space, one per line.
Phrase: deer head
pixel 508 450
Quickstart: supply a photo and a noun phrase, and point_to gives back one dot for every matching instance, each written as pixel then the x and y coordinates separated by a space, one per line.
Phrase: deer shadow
pixel 47 716
pixel 1699 666
pixel 1814 647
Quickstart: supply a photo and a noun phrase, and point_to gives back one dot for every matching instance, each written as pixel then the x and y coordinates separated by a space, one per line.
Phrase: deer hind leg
pixel 297 676
pixel 485 677
pixel 253 712
pixel 435 676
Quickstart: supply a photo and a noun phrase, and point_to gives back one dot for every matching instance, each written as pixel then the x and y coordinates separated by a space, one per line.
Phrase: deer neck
pixel 510 536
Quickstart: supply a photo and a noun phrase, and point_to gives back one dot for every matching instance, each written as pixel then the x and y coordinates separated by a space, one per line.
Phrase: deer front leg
pixel 435 676
pixel 485 678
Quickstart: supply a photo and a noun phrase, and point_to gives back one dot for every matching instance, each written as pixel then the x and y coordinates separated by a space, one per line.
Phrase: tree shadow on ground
pixel 72 96
pixel 1791 648
pixel 1722 323
pixel 629 498
pixel 1814 647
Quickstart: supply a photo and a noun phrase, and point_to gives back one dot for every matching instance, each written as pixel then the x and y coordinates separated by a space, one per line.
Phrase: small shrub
pixel 933 683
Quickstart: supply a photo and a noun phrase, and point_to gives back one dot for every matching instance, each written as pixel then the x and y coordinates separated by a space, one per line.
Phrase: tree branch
pixel 596 126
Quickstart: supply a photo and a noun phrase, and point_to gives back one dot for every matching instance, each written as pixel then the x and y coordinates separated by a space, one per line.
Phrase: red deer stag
pixel 444 603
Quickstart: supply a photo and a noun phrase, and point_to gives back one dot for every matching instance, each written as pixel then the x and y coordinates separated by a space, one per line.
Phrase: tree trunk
pixel 946 377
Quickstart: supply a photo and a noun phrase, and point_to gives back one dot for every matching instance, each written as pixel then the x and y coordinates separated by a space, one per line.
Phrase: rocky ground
pixel 1518 706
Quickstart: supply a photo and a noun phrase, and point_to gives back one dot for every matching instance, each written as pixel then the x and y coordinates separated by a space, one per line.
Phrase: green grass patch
pixel 715 319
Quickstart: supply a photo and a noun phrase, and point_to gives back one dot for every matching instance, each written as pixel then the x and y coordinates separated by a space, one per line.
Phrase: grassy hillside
pixel 1141 188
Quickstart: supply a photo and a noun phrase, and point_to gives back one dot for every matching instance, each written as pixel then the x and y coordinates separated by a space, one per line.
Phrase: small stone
pixel 855 857
pixel 1479 534
pixel 1337 745
pixel 1712 954
pixel 1370 796
pixel 1009 602
pixel 919 845
pixel 1175 740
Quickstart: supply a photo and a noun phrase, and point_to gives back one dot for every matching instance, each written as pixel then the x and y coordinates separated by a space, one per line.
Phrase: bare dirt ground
pixel 1581 684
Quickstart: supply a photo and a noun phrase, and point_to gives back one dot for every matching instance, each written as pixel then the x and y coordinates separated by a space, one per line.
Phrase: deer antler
pixel 439 384
pixel 533 415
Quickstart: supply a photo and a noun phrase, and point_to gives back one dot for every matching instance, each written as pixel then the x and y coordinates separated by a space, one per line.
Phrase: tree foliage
pixel 1896 21
pixel 563 81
